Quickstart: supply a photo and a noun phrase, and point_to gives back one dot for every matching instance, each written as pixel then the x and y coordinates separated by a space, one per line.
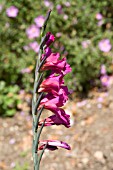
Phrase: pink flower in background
pixel 47 3
pixel 85 43
pixel 59 9
pixel 99 16
pixel 33 32
pixel 105 80
pixel 58 34
pixel 1 7
pixel 100 99
pixel 26 70
pixel 104 45
pixel 67 4
pixel 34 46
pixel 39 21
pixel 12 11
pixel 103 69
pixel 53 145
pixel 101 22
pixel 65 17
pixel 81 103
pixel 26 47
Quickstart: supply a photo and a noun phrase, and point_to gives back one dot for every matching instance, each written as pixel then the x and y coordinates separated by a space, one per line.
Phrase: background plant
pixel 77 25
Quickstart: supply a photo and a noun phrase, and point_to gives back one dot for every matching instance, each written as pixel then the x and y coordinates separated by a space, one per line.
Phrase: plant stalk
pixel 37 98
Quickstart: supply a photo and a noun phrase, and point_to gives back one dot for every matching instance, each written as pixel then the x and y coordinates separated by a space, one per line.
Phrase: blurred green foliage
pixel 75 21
pixel 19 167
pixel 8 99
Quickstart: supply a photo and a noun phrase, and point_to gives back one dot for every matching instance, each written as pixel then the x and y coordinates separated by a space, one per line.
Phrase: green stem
pixel 38 117
pixel 40 157
pixel 35 101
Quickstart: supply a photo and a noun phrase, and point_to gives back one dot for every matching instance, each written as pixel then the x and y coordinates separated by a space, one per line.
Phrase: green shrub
pixel 8 99
pixel 76 24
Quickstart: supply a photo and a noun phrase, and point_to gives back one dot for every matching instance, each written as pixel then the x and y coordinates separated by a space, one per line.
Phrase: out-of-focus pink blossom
pixel 85 43
pixel 58 34
pixel 12 141
pixel 26 70
pixel 67 4
pixel 12 11
pixel 103 69
pixel 34 46
pixel 65 17
pixel 82 103
pixel 1 7
pixel 99 105
pixel 100 23
pixel 47 3
pixel 26 47
pixel 105 45
pixel 62 119
pixel 99 16
pixel 39 21
pixel 53 145
pixel 33 32
pixel 100 99
pixel 105 80
pixel 13 164
pixel 59 9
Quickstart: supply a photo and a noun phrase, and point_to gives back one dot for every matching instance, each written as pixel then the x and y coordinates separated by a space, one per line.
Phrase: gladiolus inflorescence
pixel 49 93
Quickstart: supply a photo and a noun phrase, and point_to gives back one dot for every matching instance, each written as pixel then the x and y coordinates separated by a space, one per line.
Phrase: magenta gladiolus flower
pixel 49 93
pixel 63 119
pixel 51 84
pixel 50 39
pixel 33 31
pixel 39 21
pixel 12 11
pixel 52 102
pixel 58 66
pixel 34 46
pixel 53 145
pixel 104 45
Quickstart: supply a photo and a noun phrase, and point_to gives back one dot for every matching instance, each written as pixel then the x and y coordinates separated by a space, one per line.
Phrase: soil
pixel 90 136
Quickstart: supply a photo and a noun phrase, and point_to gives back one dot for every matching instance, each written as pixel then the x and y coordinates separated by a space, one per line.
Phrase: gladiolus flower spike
pixel 49 93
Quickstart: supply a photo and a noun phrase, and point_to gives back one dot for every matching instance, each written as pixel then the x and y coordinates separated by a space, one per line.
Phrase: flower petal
pixel 53 144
